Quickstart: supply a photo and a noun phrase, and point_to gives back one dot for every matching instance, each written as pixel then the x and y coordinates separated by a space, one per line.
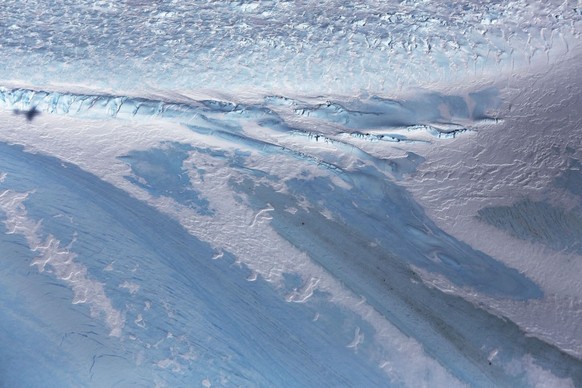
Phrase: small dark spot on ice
pixel 29 114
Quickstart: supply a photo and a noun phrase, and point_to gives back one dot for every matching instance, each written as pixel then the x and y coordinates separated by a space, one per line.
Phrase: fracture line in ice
pixel 379 120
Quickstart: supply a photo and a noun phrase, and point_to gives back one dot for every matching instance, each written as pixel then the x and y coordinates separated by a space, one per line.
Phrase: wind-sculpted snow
pixel 243 183
pixel 187 313
pixel 308 48
pixel 290 194
pixel 160 316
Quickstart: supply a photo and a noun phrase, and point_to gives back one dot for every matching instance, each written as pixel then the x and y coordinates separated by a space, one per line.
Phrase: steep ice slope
pixel 281 193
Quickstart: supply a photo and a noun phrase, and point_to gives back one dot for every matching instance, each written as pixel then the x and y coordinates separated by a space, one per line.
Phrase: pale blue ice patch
pixel 571 178
pixel 160 171
pixel 539 222
pixel 484 100
pixel 406 165
pixel 386 213
pixel 368 236
pixel 187 317
pixel 383 212
pixel 21 298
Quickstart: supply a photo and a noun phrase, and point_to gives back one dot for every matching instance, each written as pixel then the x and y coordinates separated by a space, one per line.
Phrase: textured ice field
pixel 291 194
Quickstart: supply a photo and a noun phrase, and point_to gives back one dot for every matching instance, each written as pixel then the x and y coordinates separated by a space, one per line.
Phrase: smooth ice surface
pixel 160 172
pixel 290 194
pixel 539 222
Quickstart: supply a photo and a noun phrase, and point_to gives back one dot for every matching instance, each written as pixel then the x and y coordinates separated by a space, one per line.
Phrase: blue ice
pixel 539 222
pixel 160 172
pixel 191 315
pixel 375 233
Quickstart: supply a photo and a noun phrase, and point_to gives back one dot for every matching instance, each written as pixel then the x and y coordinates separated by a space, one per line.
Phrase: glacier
pixel 290 194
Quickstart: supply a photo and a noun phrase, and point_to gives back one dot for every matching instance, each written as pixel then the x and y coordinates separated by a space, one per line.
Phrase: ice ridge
pixel 371 119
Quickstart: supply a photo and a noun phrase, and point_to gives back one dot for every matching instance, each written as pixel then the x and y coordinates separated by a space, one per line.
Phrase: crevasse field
pixel 291 194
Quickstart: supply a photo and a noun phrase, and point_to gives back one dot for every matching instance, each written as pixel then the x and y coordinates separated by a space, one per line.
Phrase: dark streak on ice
pixel 539 222
pixel 238 328
pixel 452 330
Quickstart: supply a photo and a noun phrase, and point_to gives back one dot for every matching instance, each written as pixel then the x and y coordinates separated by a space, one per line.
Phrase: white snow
pixel 60 262
pixel 306 91
pixel 500 165
pixel 96 145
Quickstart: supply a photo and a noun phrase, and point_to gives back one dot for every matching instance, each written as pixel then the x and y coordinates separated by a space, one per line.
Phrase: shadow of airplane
pixel 29 114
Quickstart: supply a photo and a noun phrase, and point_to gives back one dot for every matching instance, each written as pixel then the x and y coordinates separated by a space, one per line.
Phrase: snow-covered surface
pixel 311 48
pixel 291 194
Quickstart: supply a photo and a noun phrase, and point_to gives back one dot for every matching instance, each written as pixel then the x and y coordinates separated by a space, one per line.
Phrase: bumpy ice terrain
pixel 291 194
